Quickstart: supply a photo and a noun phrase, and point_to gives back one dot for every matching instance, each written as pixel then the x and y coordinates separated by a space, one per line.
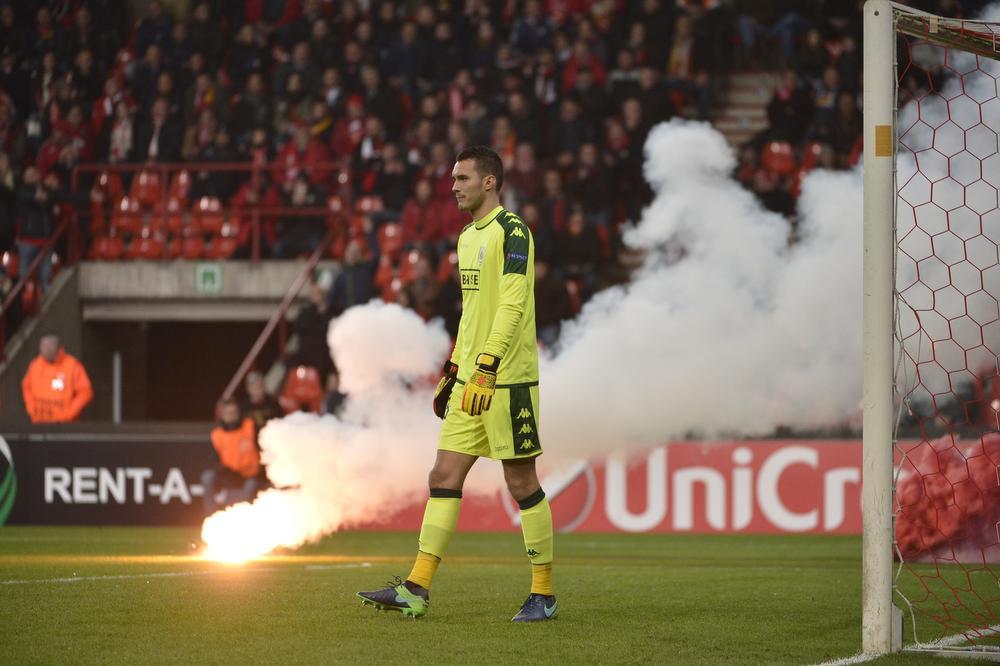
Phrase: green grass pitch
pixel 137 595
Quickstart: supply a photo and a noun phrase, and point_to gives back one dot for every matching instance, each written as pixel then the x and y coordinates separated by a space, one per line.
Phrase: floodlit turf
pixel 143 598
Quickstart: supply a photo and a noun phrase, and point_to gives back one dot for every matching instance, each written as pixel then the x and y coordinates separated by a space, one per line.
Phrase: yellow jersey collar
pixel 486 219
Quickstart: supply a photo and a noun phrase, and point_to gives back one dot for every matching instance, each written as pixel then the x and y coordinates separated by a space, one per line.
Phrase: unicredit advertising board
pixel 780 486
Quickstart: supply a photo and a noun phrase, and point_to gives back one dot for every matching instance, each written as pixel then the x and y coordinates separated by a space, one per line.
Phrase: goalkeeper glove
pixel 443 393
pixel 481 385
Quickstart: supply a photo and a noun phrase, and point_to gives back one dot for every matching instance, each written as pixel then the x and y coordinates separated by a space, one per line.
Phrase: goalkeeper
pixel 488 396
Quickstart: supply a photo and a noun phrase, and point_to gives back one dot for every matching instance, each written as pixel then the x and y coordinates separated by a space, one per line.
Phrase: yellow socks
pixel 440 517
pixel 423 569
pixel 536 525
pixel 541 579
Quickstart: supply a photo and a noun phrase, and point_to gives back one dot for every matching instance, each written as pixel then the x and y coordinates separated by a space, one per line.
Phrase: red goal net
pixel 947 326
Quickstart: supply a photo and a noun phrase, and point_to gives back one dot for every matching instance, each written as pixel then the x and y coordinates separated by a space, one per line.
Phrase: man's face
pixel 230 414
pixel 468 186
pixel 255 389
pixel 48 348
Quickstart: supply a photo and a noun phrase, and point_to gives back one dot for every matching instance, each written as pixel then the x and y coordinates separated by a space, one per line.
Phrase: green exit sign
pixel 208 278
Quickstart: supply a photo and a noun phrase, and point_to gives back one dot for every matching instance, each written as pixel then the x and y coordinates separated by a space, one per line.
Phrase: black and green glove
pixel 443 392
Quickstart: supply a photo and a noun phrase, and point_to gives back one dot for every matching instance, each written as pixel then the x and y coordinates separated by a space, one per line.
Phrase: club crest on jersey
pixel 482 254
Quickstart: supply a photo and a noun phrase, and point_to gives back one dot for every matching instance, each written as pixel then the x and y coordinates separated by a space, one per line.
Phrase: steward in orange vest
pixel 239 475
pixel 56 387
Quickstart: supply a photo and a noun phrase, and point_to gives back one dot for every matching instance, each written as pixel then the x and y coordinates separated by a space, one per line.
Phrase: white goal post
pixel 878 612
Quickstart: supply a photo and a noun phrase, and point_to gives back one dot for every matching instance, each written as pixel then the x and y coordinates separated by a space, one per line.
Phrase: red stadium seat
pixel 111 185
pixel 302 390
pixel 180 185
pixel 171 218
pixel 208 210
pixel 31 297
pixel 778 157
pixel 146 246
pixel 368 204
pixel 223 245
pixel 11 264
pixel 147 189
pixel 106 248
pixel 126 218
pixel 192 247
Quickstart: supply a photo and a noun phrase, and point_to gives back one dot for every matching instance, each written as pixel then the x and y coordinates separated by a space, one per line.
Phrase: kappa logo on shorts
pixel 525 413
pixel 526 429
pixel 527 444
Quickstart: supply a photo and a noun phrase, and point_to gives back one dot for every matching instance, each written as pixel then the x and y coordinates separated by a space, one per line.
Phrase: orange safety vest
pixel 56 392
pixel 236 448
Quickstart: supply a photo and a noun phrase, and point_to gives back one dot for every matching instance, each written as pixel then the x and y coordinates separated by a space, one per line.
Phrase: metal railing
pixel 278 316
pixel 338 202
pixel 26 276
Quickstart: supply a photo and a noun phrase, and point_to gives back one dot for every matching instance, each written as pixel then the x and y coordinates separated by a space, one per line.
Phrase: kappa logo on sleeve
pixel 516 231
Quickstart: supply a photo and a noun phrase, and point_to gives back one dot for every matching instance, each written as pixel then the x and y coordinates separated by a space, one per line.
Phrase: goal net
pixel 941 148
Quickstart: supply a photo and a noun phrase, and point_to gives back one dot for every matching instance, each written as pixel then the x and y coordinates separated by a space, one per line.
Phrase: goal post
pixel 879 251
pixel 931 333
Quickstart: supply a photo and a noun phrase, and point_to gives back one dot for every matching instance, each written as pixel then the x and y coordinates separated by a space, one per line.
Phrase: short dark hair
pixel 488 163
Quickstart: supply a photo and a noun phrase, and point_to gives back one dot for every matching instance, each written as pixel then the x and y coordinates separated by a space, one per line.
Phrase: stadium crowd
pixel 564 90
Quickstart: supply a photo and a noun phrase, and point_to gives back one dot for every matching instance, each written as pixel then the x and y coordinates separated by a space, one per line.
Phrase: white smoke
pixel 741 335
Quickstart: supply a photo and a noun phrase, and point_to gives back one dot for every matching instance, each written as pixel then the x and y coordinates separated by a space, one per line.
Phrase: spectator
pixel 299 233
pixel 532 31
pixel 688 66
pixel 239 474
pixel 311 326
pixel 251 108
pixel 260 406
pixel 35 223
pixel 56 387
pixel 569 133
pixel 422 288
pixel 355 283
pixel 449 298
pixel 552 303
pixel 789 110
pixel 302 157
pixel 159 138
pixel 578 252
pixel 522 183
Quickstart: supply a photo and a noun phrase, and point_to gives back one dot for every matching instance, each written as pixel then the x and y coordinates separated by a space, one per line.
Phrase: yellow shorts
pixel 508 430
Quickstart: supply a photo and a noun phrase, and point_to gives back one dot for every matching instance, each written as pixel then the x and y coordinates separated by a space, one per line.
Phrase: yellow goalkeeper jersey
pixel 496 259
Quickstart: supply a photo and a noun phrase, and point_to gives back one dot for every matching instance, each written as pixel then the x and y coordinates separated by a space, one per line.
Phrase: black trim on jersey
pixel 516 243
pixel 446 493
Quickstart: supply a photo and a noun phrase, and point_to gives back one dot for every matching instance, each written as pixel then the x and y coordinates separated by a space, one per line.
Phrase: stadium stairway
pixel 741 111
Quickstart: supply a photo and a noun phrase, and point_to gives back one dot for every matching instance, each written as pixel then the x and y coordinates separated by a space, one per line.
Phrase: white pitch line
pixel 175 574
pixel 947 641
